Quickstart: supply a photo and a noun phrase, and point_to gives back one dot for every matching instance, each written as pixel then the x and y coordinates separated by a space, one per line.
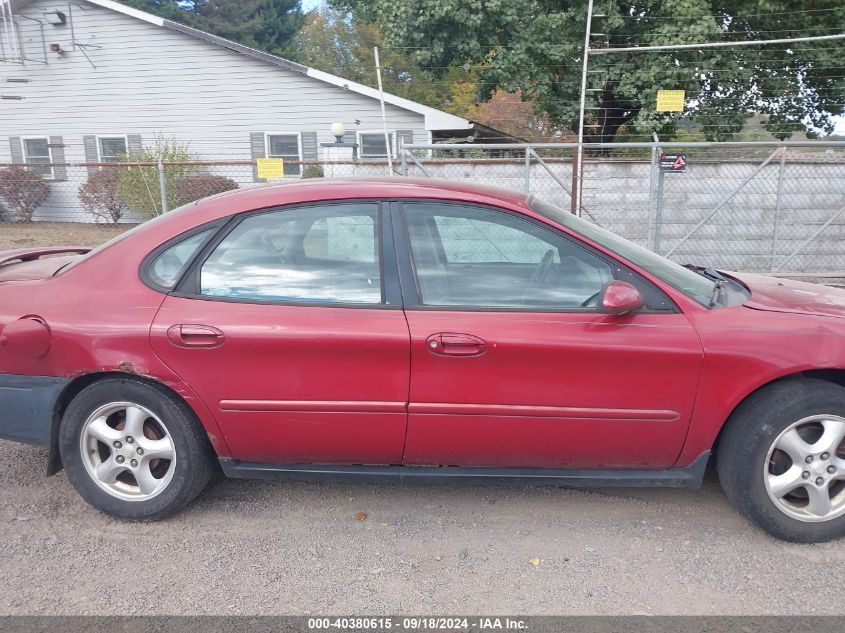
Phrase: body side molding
pixel 689 477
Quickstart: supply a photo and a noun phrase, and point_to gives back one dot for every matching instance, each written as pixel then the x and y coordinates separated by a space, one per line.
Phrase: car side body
pixel 300 383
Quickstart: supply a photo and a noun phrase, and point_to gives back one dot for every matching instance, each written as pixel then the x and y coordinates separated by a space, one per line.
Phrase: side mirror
pixel 619 297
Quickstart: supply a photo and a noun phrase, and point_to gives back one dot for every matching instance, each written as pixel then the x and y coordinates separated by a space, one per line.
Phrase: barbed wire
pixel 615 35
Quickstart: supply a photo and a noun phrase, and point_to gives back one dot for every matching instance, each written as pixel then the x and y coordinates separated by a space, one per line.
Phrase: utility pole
pixel 384 114
pixel 577 168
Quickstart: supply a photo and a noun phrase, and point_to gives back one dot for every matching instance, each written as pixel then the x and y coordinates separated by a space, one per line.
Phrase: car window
pixel 480 257
pixel 475 240
pixel 691 284
pixel 322 253
pixel 167 267
pixel 342 239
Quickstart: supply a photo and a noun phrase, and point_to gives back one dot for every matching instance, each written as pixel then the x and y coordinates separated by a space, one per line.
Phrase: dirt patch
pixel 23 234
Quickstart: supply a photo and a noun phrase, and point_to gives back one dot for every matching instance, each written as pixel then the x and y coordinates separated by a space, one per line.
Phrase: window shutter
pixel 309 146
pixel 133 144
pixel 89 142
pixel 16 149
pixel 405 137
pixel 351 137
pixel 258 150
pixel 57 151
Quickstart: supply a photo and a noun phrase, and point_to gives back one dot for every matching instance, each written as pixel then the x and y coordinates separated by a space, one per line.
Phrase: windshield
pixel 692 284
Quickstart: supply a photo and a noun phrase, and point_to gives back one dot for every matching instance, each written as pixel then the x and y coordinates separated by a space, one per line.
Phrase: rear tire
pixel 781 460
pixel 134 450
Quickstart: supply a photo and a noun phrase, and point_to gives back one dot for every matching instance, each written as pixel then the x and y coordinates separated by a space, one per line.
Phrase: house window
pixel 287 147
pixel 112 148
pixel 37 151
pixel 371 144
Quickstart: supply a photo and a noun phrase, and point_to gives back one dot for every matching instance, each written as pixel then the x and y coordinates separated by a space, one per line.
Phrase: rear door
pixel 289 327
pixel 512 364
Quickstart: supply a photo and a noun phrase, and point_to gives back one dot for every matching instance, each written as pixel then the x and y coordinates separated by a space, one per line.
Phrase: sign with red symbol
pixel 673 162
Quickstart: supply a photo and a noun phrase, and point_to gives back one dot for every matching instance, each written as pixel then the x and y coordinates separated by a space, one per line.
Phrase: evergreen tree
pixel 268 25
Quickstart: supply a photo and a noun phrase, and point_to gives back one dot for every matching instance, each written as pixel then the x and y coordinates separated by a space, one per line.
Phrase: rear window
pixel 166 268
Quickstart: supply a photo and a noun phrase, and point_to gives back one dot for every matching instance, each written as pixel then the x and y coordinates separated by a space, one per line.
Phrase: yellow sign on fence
pixel 670 100
pixel 270 168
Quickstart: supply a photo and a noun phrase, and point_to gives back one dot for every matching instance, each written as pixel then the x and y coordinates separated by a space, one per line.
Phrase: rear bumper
pixel 26 407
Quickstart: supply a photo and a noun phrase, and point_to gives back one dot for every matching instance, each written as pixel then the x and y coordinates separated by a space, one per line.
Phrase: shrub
pixel 193 188
pixel 313 171
pixel 99 196
pixel 22 192
pixel 138 184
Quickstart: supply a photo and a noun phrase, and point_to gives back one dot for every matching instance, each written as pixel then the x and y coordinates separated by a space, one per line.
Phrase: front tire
pixel 781 460
pixel 133 450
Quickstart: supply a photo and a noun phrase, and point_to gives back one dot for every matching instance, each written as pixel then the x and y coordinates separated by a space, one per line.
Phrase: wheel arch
pixel 831 375
pixel 78 383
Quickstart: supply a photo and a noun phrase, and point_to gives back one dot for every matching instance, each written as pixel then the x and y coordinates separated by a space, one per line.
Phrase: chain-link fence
pixel 120 192
pixel 755 207
pixel 115 192
pixel 760 207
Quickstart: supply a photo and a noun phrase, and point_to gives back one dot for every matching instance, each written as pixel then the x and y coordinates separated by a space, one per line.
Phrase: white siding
pixel 153 81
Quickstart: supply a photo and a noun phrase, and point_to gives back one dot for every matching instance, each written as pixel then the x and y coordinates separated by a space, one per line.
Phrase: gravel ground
pixel 23 234
pixel 259 547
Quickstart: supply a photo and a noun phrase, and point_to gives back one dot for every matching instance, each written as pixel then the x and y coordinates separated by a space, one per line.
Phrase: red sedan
pixel 417 330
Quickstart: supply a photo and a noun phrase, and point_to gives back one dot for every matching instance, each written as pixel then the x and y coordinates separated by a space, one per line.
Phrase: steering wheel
pixel 543 268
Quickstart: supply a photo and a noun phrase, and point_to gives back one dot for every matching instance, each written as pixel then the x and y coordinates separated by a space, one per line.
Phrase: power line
pixel 675 47
pixel 723 15
pixel 623 35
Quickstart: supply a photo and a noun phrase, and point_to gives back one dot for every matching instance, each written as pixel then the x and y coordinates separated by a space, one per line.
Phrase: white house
pixel 90 80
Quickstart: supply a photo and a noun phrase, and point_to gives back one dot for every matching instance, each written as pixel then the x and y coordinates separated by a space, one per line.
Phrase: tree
pixel 513 115
pixel 535 47
pixel 268 25
pixel 138 182
pixel 337 43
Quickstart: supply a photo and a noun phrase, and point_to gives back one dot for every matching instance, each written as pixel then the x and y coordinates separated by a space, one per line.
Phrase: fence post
pixel 574 196
pixel 402 151
pixel 162 186
pixel 658 211
pixel 652 208
pixel 528 151
pixel 776 218
pixel 653 174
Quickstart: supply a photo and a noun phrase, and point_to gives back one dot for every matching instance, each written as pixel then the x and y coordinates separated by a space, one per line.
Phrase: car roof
pixel 265 195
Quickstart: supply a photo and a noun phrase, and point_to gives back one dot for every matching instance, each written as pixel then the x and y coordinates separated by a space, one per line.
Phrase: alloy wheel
pixel 128 451
pixel 804 471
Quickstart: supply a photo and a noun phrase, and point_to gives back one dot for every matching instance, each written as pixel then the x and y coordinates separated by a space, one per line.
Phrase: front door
pixel 512 364
pixel 285 330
